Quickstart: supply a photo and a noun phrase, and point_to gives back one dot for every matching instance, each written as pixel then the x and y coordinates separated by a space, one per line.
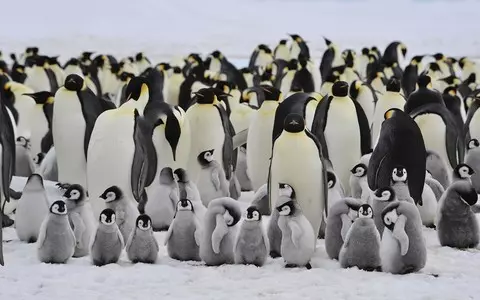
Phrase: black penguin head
pixel 365 212
pixel 439 56
pixel 355 89
pixel 331 179
pixel 85 56
pixel 282 42
pixel 384 194
pixel 253 214
pixel 473 143
pixel 327 42
pixel 181 175
pixel 139 56
pixel 391 113
pixel 264 48
pixel 163 66
pixel 72 62
pixel 137 86
pixel 340 89
pixel 42 97
pixel 74 192
pixel 294 123
pixel 166 176
pixel 292 65
pixel 359 170
pixel 403 49
pixel 39 158
pixel 286 190
pixel 177 70
pixel 144 222
pixel 423 81
pixel 207 95
pixel 205 157
pixel 74 83
pixel 271 93
pixel 393 85
pixel 111 194
pixel 390 215
pixel 296 38
pixel 434 67
pixel 217 54
pixel 107 217
pixel 287 209
pixel 365 51
pixel 125 76
pixel 399 174
pixel 53 60
pixel 184 205
pixel 416 59
pixel 23 142
pixel 58 207
pixel 451 90
pixel 463 171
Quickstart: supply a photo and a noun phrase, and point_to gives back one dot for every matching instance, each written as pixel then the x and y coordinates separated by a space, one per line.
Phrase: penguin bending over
pixel 251 246
pixel 107 243
pixel 141 245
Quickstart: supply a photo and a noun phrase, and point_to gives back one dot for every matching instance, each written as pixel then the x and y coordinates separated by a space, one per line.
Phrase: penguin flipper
pixel 198 231
pixel 120 238
pixel 91 109
pixel 400 234
pixel 174 195
pixel 42 233
pixel 296 232
pixel 365 136
pixel 169 233
pixel 7 140
pixel 451 139
pixel 130 240
pixel 140 164
pixel 219 232
pixel 347 238
pixel 215 176
pixel 346 224
pixel 78 227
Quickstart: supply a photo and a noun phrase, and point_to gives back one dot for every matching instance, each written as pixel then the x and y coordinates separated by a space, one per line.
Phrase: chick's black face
pixel 58 208
pixel 253 214
pixel 107 216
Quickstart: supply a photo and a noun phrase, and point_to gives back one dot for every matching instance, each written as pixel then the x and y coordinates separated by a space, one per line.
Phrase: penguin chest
pixel 287 82
pixel 434 134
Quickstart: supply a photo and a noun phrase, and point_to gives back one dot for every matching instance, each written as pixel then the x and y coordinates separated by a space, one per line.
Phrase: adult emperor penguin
pixel 473 159
pixel 296 151
pixel 281 51
pixel 40 77
pixel 259 139
pixel 107 242
pixel 184 234
pixel 23 104
pixel 32 208
pixel 457 225
pixel 56 241
pixel 362 244
pixel 403 249
pixel 382 197
pixel 394 53
pixel 74 114
pixel 364 94
pixel 332 57
pixel 346 129
pixel 173 86
pixel 398 130
pixel 218 236
pixel 141 245
pixel 410 75
pixel 298 46
pixel 388 100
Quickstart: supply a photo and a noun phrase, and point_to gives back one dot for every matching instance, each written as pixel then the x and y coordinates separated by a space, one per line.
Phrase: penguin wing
pixel 365 136
pixel 326 63
pixel 169 233
pixel 120 238
pixel 130 240
pixel 253 59
pixel 198 231
pixel 7 140
pixel 92 240
pixel 240 139
pixel 78 227
pixel 296 233
pixel 347 237
pixel 219 233
pixel 266 241
pixel 215 176
pixel 42 233
pixel 91 109
pixel 174 195
pixel 140 165
pixel 346 224
pixel 471 112
pixel 400 234
pixel 229 155
pixel 436 187
pixel 319 123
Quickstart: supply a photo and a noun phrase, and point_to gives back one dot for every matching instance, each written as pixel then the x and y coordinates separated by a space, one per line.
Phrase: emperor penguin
pixel 382 197
pixel 74 114
pixel 332 57
pixel 142 62
pixel 457 225
pixel 251 246
pixel 388 100
pixel 395 52
pixel 473 159
pixel 56 241
pixel 403 248
pixel 218 236
pixel 80 216
pixel 298 236
pixel 212 182
pixel 23 104
pixel 362 244
pixel 184 234
pixel 141 245
pixel 410 75
pixel 259 139
pixel 346 129
pixel 137 94
pixel 364 94
pixel 339 220
pixel 125 211
pixel 107 242
pixel 281 51
pixel 297 160
pixel 462 172
pixel 32 209
pixel 173 86
pixel 24 165
pixel 399 183
pixel 298 47
pixel 358 182
pixel 40 77
pixel 161 205
pixel 189 190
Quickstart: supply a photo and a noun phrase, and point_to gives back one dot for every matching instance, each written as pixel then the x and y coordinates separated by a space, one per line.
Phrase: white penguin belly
pixel 310 113
pixel 428 209
pixel 389 251
pixel 24 106
pixel 384 104
pixel 207 190
pixel 38 127
pixel 366 102
pixel 173 89
pixel 287 82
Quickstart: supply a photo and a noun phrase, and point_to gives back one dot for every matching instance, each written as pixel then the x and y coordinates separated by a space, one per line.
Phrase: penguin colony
pixel 361 151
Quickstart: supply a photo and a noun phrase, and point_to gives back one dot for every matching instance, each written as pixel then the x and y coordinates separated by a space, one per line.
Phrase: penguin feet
pixel 431 226
pixel 373 269
pixel 163 228
pixel 15 195
pixel 6 221
pixel 290 266
pixel 308 266
pixel 274 254
pixel 63 185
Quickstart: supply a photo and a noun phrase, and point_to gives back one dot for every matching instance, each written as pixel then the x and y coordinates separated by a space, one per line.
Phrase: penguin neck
pixel 109 228
pixel 58 218
pixel 341 99
pixel 294 134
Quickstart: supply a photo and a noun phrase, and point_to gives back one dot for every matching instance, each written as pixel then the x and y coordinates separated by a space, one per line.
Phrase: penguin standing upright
pixel 40 77
pixel 23 159
pixel 410 75
pixel 173 86
pixel 366 97
pixel 345 126
pixel 74 114
pixel 189 190
pixel 281 51
pixel 331 58
pixel 107 242
pixel 395 52
pixel 473 159
pixel 142 245
pixel 23 104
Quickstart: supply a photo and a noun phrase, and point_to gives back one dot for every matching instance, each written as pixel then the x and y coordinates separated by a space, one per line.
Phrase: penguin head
pixel 331 179
pixel 424 81
pixel 264 48
pixel 139 56
pixel 39 158
pixel 328 42
pixel 359 170
pixel 42 97
pixel 166 176
pixel 184 205
pixel 287 209
pixel 180 175
pixel 416 60
pixel 296 38
pixel 208 95
pixel 23 142
pixel 111 194
pixel 393 85
pixel 390 215
pixel 136 87
pixel 384 194
pixel 205 157
pixel 107 217
pixel 286 190
pixel 163 66
pixel 463 171
pixel 282 42
pixel 74 192
pixel 271 93
pixel 403 49
pixel 365 212
pixel 53 60
pixel 74 83
pixel 449 91
pixel 294 123
pixel 340 89
pixel 177 70
pixel 58 207
pixel 392 112
pixel 144 222
pixel 473 143
pixel 355 89
pixel 217 54
pixel 253 214
pixel 399 174
pixel 439 56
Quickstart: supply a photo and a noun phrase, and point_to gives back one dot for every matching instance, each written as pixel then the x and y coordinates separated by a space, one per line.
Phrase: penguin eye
pixel 140 223
pixel 56 207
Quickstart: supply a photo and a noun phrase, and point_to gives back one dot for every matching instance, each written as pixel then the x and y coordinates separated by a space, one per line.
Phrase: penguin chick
pixel 472 158
pixel 141 245
pixel 462 172
pixel 107 243
pixel 188 190
pixel 435 185
pixel 457 225
pixel 184 234
pixel 163 200
pixel 335 189
pixel 381 199
pixel 298 237
pixel 56 241
pixel 358 182
pixel 24 165
pixel 340 218
pixel 32 208
pixel 125 211
pixel 399 183
pixel 362 245
pixel 260 200
pixel 403 249
pixel 216 244
pixel 212 182
pixel 80 216
pixel 251 246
